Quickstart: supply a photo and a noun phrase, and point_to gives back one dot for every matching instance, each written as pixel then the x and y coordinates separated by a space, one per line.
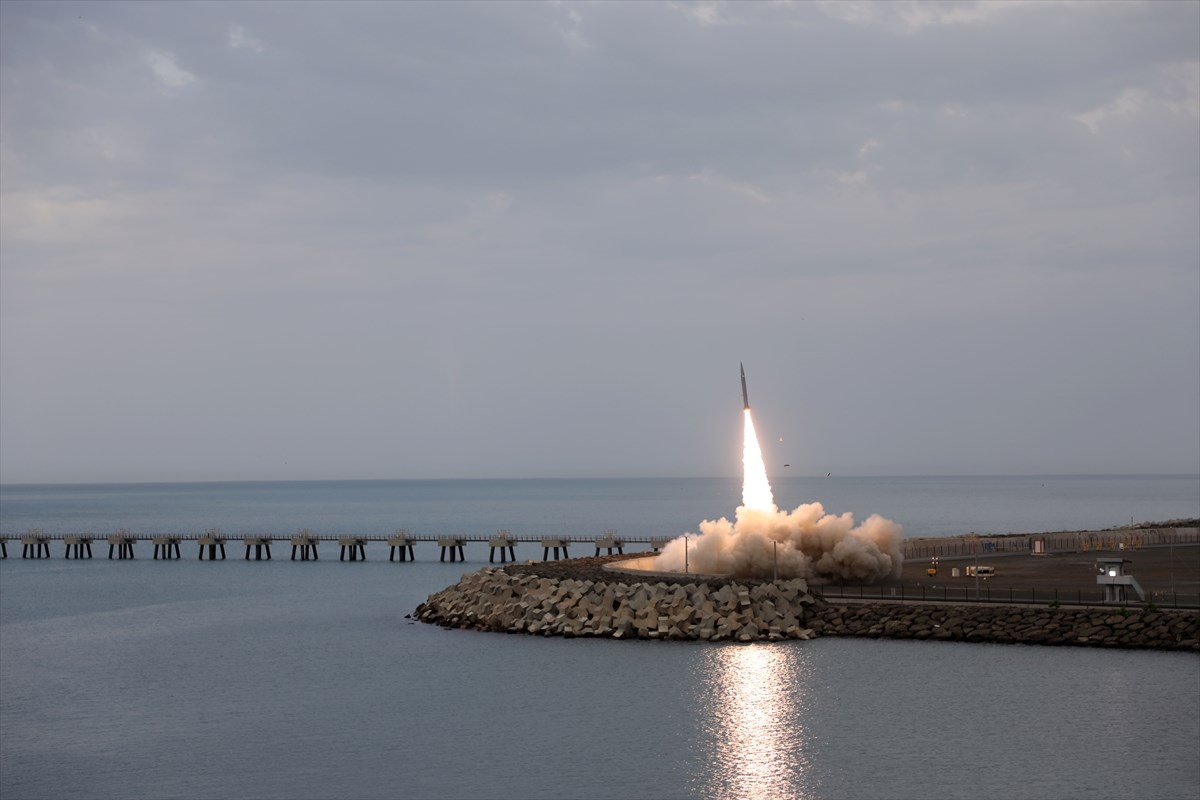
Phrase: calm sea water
pixel 188 679
pixel 654 507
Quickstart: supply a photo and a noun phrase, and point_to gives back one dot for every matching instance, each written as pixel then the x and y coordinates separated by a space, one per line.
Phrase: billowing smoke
pixel 763 540
pixel 808 543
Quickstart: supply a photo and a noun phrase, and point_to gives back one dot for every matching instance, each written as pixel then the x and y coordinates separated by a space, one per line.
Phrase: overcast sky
pixel 404 240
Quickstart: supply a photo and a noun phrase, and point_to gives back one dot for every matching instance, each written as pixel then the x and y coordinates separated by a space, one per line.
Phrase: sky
pixel 405 240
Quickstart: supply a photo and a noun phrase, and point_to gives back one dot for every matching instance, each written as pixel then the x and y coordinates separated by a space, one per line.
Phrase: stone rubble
pixel 495 600
pixel 1123 627
pixel 618 606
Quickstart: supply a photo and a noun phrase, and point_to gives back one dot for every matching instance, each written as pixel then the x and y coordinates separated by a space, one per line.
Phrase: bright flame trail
pixel 756 489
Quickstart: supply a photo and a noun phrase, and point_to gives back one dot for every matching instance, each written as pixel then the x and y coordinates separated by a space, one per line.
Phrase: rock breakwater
pixel 580 598
pixel 1130 627
pixel 617 607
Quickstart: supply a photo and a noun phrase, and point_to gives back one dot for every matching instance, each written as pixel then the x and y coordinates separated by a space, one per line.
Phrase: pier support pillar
pixel 454 545
pixel 168 545
pixel 357 546
pixel 610 540
pixel 212 543
pixel 401 541
pixel 3 547
pixel 35 545
pixel 123 542
pixel 307 544
pixel 555 544
pixel 80 544
pixel 502 541
pixel 260 544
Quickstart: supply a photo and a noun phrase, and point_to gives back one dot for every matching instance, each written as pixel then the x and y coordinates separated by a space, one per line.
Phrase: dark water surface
pixel 280 679
pixel 302 680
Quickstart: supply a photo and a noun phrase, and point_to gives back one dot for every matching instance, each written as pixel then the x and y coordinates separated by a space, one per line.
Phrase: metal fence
pixel 1016 596
pixel 1067 542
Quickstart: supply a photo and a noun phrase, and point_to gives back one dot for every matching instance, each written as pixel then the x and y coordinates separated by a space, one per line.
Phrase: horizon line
pixel 814 476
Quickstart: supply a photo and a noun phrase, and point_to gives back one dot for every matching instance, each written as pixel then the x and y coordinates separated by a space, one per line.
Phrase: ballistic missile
pixel 745 398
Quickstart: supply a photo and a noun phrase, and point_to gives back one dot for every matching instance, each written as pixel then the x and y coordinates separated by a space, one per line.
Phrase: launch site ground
pixel 1159 569
pixel 1168 575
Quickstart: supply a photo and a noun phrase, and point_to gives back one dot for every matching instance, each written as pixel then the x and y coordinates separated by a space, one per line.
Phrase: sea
pixel 306 679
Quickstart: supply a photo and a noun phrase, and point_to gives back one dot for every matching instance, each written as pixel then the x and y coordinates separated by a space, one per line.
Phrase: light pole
pixel 1171 559
pixel 976 545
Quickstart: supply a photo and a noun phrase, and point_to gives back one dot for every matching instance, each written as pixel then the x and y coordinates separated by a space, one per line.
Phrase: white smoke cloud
pixel 764 541
pixel 808 544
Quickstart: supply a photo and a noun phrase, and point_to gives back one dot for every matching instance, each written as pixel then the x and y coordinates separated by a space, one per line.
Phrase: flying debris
pixel 745 398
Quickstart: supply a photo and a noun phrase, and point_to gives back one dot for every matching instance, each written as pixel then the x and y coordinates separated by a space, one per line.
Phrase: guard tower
pixel 1116 581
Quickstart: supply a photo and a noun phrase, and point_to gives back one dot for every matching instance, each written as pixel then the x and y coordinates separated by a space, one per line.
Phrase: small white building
pixel 1116 581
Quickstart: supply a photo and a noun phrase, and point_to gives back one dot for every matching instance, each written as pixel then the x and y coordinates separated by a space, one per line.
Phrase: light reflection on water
pixel 756 731
pixel 275 679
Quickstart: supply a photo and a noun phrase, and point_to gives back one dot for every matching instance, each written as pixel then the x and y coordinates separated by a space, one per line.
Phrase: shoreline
pixel 579 597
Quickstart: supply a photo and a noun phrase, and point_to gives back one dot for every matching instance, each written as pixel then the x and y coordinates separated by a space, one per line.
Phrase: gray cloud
pixel 528 239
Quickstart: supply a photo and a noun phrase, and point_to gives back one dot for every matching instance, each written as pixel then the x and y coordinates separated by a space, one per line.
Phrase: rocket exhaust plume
pixel 805 543
pixel 756 489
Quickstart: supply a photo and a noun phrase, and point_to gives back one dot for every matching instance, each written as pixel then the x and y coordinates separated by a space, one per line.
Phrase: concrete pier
pixel 455 545
pixel 549 543
pixel 1166 561
pixel 212 539
pixel 123 541
pixel 3 547
pixel 35 545
pixel 357 546
pixel 610 540
pixel 260 544
pixel 503 541
pixel 401 541
pixel 81 545
pixel 307 542
pixel 168 545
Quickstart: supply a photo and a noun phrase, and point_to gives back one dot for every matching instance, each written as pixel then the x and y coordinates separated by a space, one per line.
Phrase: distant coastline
pixel 23 484
pixel 656 507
